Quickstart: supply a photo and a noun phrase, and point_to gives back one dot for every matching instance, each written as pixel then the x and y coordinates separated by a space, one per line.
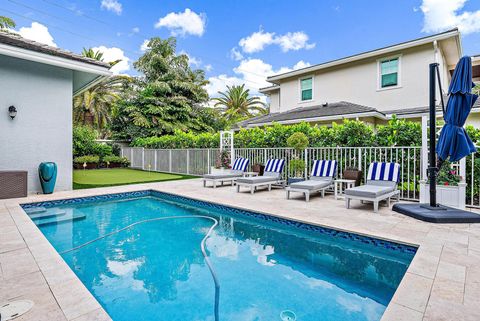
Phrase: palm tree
pixel 6 23
pixel 94 107
pixel 236 103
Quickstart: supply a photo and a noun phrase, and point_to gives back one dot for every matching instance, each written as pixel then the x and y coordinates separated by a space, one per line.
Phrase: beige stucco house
pixel 371 86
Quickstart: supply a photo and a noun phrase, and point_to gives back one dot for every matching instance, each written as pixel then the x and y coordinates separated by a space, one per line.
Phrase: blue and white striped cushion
pixel 324 168
pixel 275 165
pixel 384 172
pixel 240 164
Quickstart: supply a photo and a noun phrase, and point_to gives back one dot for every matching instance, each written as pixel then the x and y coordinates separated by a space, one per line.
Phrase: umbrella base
pixel 441 214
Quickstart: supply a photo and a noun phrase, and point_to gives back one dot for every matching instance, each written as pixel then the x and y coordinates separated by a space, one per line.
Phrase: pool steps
pixel 44 215
pixel 60 219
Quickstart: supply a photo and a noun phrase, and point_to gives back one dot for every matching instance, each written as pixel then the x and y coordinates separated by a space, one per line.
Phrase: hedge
pixel 351 133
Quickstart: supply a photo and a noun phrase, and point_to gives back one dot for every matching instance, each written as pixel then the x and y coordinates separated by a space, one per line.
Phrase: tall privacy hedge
pixel 351 133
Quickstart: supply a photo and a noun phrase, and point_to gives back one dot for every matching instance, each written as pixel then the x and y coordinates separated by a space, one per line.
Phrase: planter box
pixel 114 165
pixel 453 196
pixel 292 180
pixel 222 170
pixel 89 166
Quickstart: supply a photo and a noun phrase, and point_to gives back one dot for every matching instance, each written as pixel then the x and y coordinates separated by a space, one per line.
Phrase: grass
pixel 118 176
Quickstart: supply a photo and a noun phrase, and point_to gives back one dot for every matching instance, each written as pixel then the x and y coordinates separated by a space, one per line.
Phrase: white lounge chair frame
pixel 240 165
pixel 272 168
pixel 253 187
pixel 316 172
pixel 387 196
pixel 375 201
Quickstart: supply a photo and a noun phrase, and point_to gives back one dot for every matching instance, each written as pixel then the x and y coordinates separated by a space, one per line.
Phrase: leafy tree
pixel 166 98
pixel 95 107
pixel 236 103
pixel 6 23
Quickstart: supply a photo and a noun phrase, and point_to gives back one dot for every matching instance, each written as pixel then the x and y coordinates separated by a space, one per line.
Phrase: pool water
pixel 267 270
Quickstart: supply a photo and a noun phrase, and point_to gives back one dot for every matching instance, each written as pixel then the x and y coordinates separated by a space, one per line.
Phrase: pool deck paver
pixel 441 283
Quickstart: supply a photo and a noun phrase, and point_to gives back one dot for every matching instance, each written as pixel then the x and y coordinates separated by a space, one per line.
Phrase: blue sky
pixel 242 41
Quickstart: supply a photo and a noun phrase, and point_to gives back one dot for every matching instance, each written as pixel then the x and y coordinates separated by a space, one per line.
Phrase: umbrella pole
pixel 432 169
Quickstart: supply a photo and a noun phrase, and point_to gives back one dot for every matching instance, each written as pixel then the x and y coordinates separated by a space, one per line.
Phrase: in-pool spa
pixel 154 256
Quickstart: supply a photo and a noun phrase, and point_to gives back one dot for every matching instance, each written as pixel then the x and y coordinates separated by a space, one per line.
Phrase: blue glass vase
pixel 47 171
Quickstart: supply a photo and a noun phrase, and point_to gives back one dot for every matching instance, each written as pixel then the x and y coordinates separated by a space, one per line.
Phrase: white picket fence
pixel 199 161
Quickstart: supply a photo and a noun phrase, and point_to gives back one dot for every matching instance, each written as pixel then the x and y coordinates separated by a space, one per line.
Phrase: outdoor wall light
pixel 12 112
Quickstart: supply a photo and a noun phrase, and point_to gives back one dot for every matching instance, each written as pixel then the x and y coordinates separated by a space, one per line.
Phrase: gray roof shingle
pixel 332 109
pixel 15 40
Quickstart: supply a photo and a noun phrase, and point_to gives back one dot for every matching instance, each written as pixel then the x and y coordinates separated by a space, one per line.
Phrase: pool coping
pixel 78 304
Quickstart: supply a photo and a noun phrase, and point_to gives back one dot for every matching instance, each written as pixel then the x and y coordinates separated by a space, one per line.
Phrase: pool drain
pixel 14 309
pixel 288 315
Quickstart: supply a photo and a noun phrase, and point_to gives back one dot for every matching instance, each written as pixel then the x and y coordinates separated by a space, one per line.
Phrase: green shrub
pixel 86 159
pixel 84 140
pixel 116 159
pixel 298 141
pixel 351 133
pixel 399 132
pixel 84 143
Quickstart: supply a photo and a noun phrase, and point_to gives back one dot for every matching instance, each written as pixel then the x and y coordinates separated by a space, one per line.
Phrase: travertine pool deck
pixel 442 283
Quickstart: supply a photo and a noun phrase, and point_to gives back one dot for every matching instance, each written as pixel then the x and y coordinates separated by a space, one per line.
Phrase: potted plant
pixel 451 191
pixel 298 141
pixel 113 161
pixel 222 162
pixel 258 168
pixel 86 162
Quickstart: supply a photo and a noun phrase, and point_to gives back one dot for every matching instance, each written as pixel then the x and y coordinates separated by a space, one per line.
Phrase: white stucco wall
pixel 357 82
pixel 42 130
pixel 274 101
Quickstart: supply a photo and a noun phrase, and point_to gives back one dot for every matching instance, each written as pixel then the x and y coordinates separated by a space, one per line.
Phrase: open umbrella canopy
pixel 454 142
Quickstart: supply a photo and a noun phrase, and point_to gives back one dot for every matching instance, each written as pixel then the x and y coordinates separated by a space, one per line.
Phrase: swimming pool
pixel 267 268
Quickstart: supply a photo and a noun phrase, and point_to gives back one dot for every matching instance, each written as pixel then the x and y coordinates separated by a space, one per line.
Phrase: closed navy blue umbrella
pixel 454 142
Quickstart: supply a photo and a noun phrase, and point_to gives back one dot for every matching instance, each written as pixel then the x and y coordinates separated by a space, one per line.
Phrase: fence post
pixel 463 169
pixel 208 161
pixel 306 164
pixel 131 157
pixel 188 161
pixel 359 159
pixel 264 156
pixel 424 153
pixel 170 160
pixel 143 158
pixel 155 159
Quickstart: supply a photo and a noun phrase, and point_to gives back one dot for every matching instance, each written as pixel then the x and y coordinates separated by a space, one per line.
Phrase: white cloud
pixel 183 23
pixel 112 5
pixel 444 14
pixel 258 40
pixel 112 54
pixel 235 54
pixel 251 72
pixel 294 41
pixel 37 32
pixel 144 45
pixel 135 29
pixel 301 64
pixel 208 67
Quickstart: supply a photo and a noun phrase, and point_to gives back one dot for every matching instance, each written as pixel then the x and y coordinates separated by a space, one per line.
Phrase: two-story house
pixel 371 86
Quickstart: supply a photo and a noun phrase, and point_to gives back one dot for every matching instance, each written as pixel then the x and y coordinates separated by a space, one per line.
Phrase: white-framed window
pixel 389 72
pixel 306 88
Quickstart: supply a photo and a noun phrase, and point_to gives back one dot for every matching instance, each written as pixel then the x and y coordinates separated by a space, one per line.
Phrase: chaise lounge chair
pixel 271 176
pixel 382 180
pixel 238 168
pixel 321 178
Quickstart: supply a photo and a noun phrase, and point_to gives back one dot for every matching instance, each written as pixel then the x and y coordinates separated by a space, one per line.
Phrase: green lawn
pixel 118 176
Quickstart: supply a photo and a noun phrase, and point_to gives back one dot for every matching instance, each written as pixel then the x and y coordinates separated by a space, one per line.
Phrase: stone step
pixel 61 219
pixel 45 215
pixel 35 210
